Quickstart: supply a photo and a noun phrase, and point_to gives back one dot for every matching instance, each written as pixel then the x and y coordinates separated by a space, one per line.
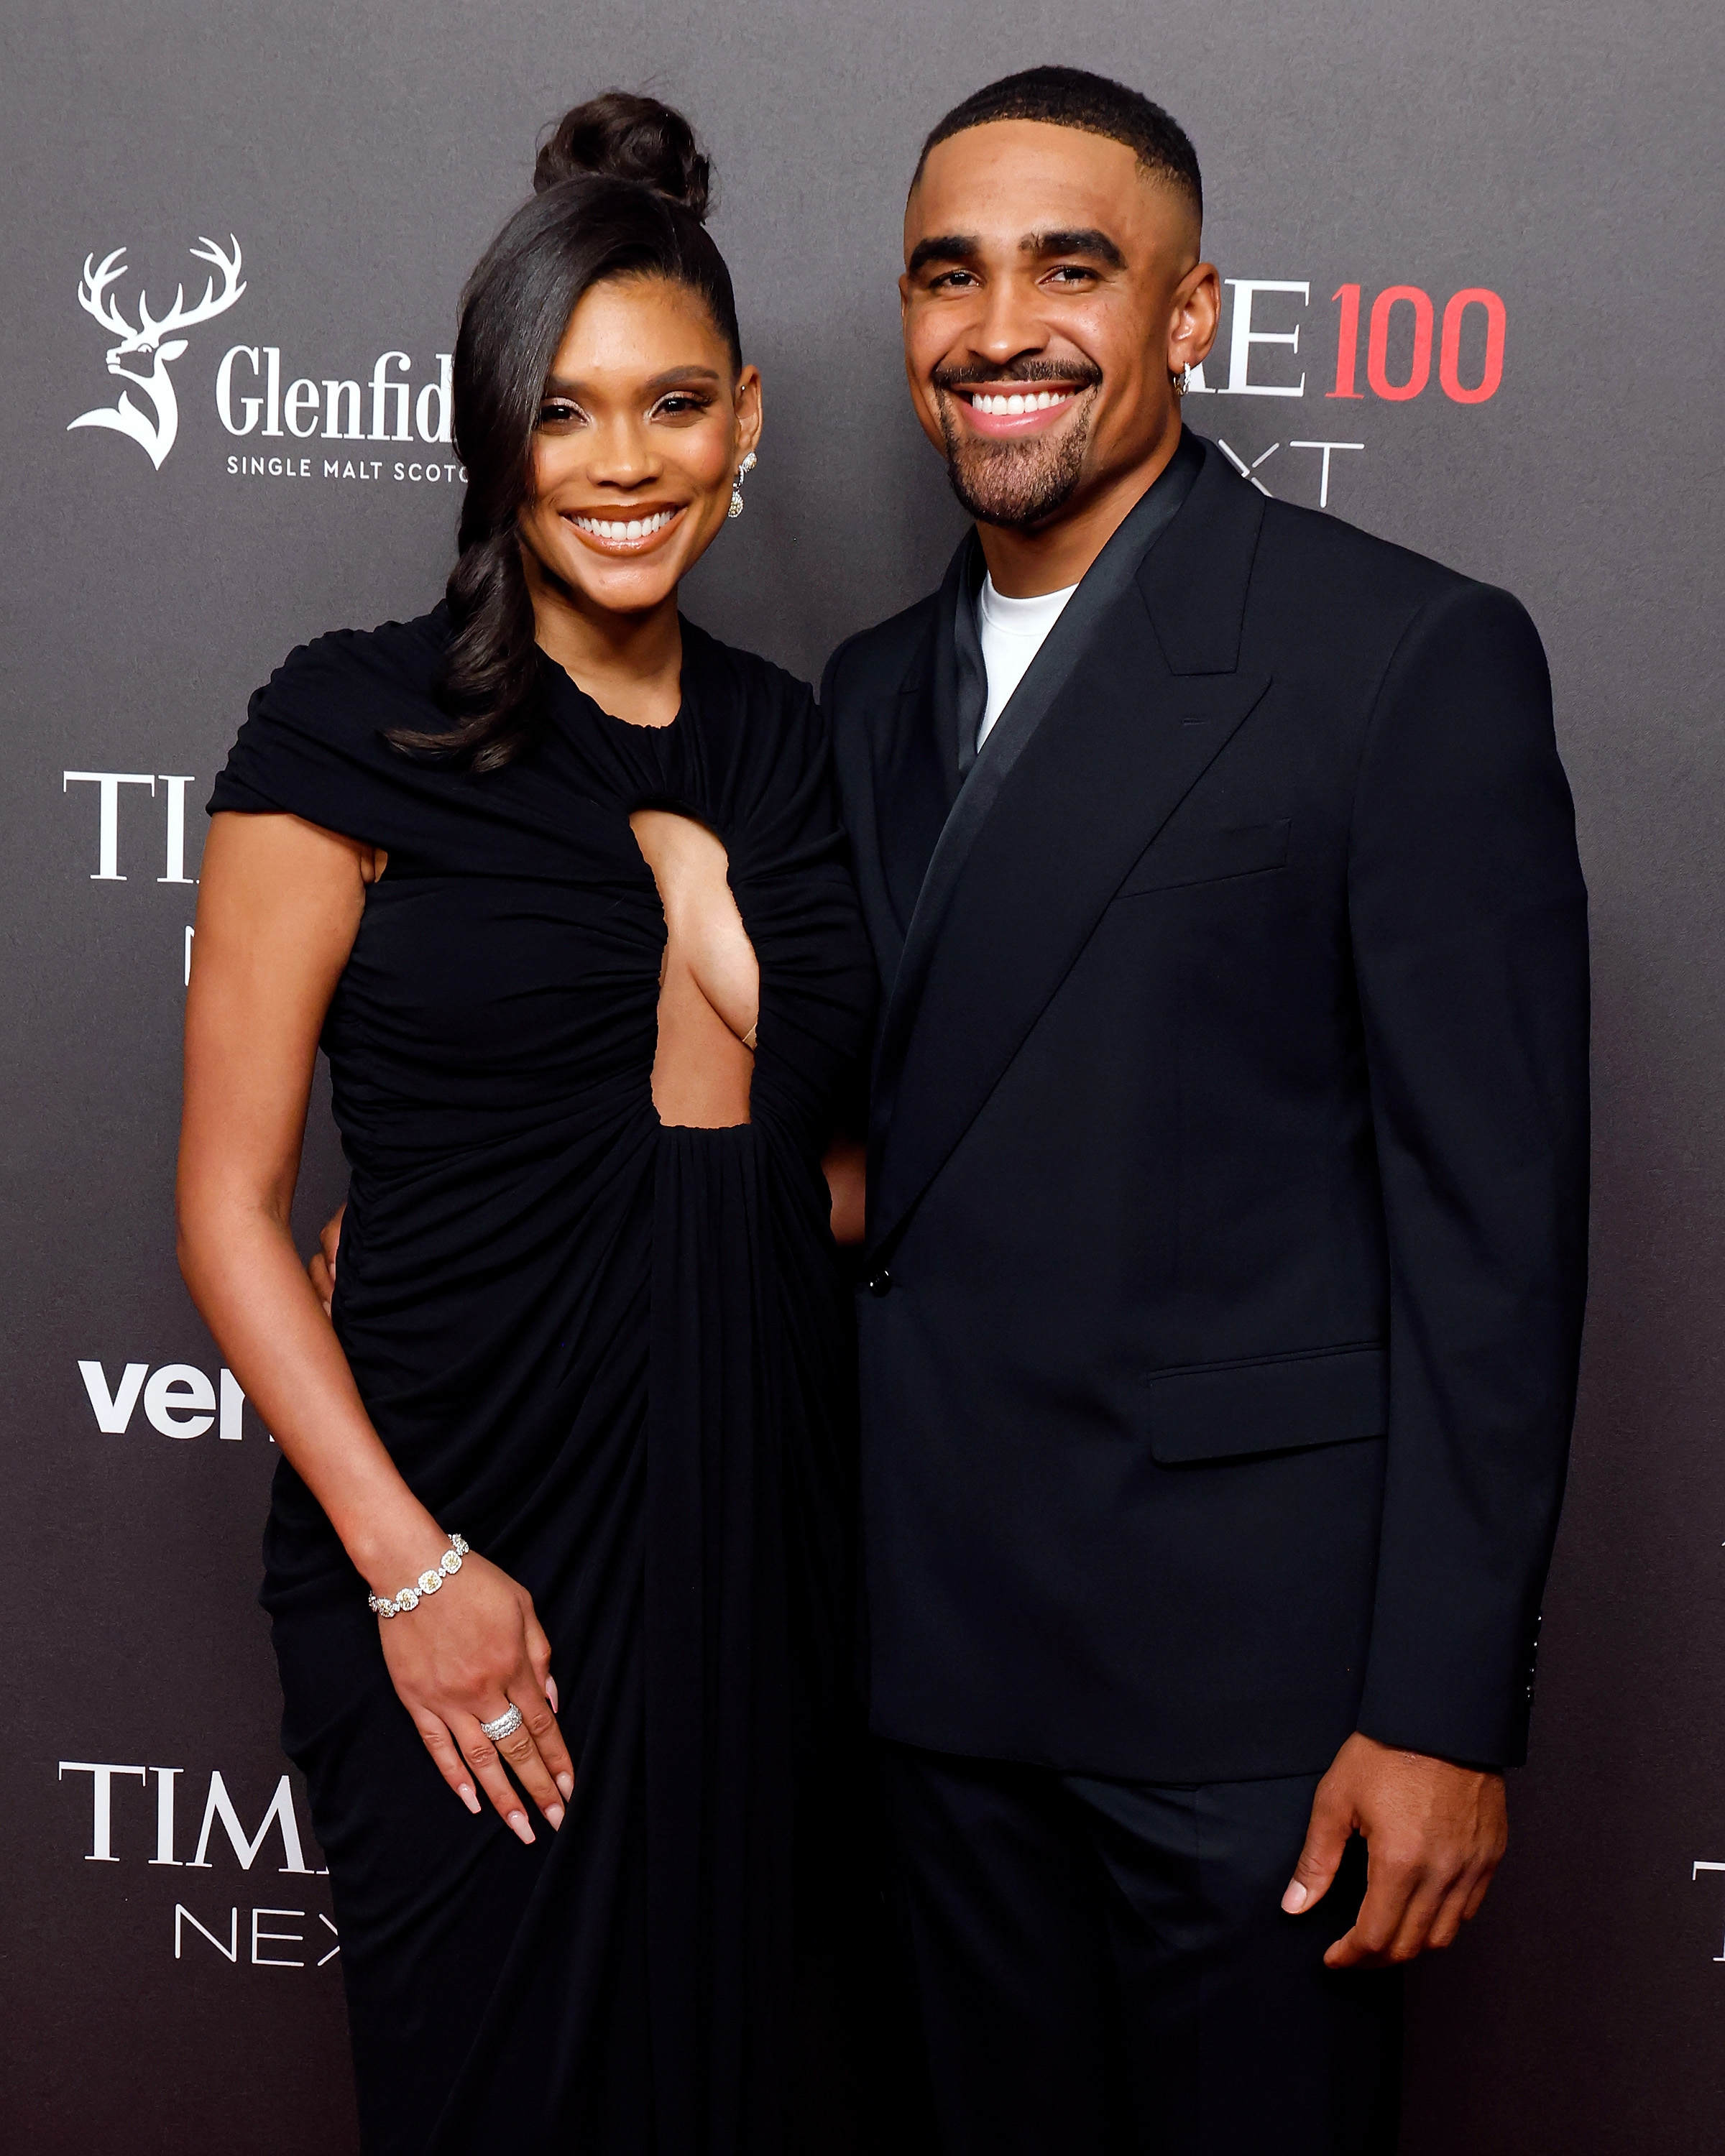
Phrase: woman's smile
pixel 639 532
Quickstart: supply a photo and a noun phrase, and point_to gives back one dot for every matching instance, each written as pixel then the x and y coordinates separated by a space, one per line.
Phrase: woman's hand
pixel 322 1265
pixel 845 1168
pixel 461 1658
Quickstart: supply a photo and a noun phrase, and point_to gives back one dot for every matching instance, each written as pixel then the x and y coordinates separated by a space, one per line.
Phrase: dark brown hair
pixel 621 189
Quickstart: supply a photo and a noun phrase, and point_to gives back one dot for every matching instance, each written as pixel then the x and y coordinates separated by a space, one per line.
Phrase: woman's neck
pixel 631 664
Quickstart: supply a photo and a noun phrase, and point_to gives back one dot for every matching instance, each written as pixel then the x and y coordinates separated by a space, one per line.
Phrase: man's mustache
pixel 1077 374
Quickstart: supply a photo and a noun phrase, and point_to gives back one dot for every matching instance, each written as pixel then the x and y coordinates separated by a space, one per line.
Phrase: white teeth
pixel 1004 406
pixel 636 528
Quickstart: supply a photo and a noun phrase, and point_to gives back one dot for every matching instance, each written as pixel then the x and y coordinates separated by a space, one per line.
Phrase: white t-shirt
pixel 1012 632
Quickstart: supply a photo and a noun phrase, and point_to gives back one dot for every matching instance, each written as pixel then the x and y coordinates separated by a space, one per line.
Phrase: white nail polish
pixel 518 1820
pixel 555 1815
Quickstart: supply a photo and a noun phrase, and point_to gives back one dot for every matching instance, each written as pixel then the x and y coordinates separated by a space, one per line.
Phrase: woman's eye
pixel 679 402
pixel 555 413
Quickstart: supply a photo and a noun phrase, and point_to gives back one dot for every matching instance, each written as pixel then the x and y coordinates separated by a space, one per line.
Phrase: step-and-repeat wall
pixel 1472 303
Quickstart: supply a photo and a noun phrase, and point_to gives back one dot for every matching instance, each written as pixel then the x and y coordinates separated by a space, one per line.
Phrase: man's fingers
pixel 1453 1912
pixel 1325 1838
pixel 1409 1909
pixel 447 1754
pixel 481 1755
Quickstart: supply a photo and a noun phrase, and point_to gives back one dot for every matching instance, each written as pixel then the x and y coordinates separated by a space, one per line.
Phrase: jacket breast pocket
pixel 1208 855
pixel 1273 1404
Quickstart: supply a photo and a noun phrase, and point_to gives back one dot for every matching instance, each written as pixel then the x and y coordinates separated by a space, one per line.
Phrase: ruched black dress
pixel 615 1356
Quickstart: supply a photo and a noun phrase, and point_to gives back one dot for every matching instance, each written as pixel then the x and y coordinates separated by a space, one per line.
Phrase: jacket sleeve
pixel 1468 918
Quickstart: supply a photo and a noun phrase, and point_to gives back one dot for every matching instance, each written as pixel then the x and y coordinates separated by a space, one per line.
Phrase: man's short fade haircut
pixel 1072 97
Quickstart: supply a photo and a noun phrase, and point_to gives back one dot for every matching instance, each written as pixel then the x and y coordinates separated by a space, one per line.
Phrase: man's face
pixel 1050 287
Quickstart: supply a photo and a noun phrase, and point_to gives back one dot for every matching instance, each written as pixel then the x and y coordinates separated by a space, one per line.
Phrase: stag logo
pixel 143 355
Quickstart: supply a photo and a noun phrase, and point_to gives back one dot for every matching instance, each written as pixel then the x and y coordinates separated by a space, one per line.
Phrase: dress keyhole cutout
pixel 710 981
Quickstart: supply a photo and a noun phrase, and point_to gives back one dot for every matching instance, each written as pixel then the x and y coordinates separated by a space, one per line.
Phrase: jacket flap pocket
pixel 1233 1410
pixel 1208 855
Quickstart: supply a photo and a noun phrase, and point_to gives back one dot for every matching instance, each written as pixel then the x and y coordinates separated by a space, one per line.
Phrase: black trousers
pixel 1103 1969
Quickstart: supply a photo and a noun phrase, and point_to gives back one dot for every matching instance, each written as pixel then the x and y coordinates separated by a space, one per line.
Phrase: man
pixel 1227 1197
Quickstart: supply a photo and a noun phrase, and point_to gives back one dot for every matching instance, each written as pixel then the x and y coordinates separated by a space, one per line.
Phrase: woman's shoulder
pixel 347 670
pixel 317 739
pixel 763 701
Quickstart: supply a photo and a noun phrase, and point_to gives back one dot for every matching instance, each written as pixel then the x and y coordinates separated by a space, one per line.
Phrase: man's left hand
pixel 1435 1834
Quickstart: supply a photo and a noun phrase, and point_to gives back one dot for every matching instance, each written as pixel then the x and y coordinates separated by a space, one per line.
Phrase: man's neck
pixel 1024 562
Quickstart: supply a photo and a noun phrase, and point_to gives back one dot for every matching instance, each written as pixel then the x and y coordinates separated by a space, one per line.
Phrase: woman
pixel 555 877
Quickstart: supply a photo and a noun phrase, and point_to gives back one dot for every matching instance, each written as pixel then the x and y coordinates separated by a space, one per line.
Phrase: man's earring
pixel 1182 380
pixel 742 472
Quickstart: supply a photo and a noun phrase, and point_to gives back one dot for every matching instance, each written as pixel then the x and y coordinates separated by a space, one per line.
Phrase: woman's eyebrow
pixel 559 385
pixel 683 374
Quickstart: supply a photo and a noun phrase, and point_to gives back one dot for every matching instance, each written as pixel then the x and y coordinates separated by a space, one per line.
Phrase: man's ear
pixel 1195 317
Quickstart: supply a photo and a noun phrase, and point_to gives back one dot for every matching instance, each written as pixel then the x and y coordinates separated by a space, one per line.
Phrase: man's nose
pixel 1010 324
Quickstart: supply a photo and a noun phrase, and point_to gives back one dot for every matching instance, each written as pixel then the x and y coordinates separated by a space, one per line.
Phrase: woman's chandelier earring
pixel 742 472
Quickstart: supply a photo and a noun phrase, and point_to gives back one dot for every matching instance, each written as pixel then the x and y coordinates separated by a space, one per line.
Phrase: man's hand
pixel 1435 1834
pixel 322 1267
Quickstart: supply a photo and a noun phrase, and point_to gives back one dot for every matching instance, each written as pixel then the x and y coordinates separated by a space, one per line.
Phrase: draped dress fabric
pixel 615 1356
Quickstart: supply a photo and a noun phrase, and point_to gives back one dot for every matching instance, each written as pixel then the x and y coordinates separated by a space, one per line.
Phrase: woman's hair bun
pixel 625 137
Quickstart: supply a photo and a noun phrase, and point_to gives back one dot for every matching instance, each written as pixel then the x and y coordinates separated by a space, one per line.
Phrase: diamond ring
pixel 505 1724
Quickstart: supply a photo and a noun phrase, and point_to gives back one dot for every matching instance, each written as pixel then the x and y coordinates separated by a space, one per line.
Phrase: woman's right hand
pixel 461 1658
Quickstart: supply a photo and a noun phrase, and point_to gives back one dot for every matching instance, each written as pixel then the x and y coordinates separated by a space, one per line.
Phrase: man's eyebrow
pixel 1086 241
pixel 943 247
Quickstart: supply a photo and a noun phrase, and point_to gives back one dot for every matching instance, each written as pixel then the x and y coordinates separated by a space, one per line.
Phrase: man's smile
pixel 1006 411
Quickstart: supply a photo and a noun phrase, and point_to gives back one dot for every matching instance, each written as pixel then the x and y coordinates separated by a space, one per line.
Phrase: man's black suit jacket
pixel 1227 1234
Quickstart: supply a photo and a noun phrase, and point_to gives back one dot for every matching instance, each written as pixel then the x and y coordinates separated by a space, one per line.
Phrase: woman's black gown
pixel 614 1356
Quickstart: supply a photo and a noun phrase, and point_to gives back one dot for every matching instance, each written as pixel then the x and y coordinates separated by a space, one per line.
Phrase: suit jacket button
pixel 879 1281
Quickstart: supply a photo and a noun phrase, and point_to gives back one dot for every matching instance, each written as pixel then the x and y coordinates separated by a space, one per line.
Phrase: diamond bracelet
pixel 428 1582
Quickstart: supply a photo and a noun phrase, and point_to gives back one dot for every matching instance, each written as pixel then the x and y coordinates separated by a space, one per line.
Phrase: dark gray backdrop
pixel 1560 156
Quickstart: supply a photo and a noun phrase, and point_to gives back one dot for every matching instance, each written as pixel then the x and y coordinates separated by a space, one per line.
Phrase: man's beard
pixel 1016 482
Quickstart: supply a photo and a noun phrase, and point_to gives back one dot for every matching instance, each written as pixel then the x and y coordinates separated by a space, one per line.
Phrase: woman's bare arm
pixel 279 905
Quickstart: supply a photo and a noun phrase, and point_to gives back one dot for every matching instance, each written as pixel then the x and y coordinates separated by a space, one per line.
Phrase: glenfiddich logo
pixel 143 354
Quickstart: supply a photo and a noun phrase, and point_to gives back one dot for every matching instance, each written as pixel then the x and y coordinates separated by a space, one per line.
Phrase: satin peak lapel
pixel 1123 742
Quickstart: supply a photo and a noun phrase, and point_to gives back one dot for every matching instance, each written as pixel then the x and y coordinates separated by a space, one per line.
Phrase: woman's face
pixel 641 429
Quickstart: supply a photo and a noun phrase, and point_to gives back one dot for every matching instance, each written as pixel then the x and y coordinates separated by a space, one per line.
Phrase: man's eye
pixel 1071 273
pixel 952 277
